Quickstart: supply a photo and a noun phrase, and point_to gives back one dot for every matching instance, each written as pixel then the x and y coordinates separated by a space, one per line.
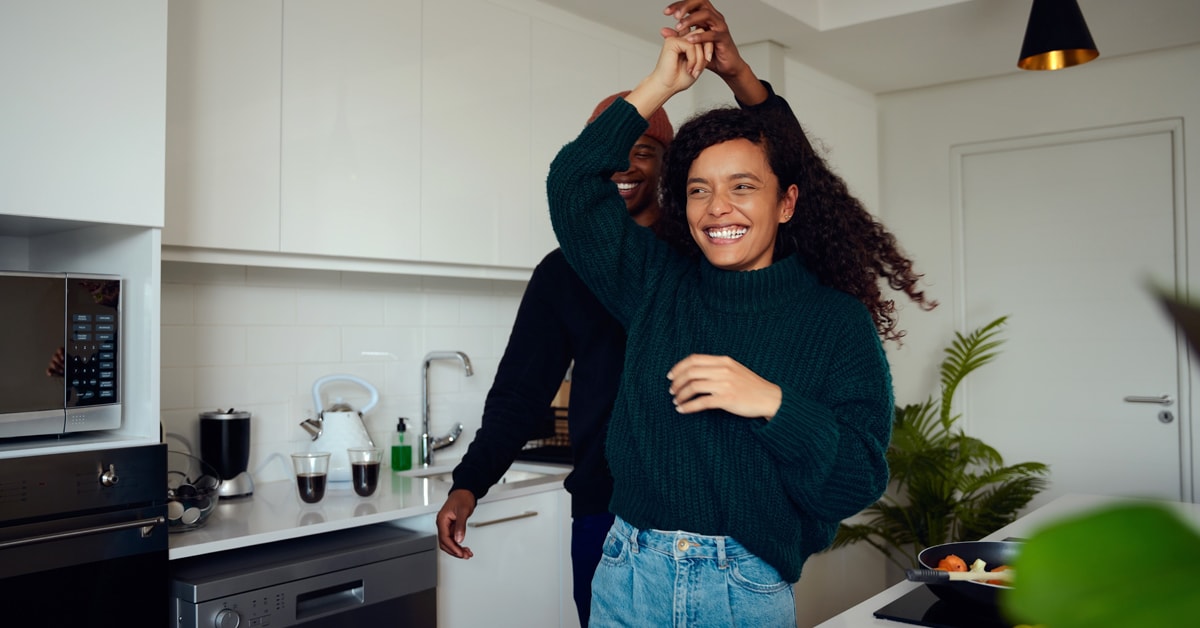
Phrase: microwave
pixel 60 353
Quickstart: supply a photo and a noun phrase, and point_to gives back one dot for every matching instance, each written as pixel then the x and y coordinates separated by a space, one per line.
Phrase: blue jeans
pixel 679 579
pixel 587 537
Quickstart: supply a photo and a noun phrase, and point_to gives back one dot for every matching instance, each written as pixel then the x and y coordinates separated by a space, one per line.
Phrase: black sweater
pixel 559 320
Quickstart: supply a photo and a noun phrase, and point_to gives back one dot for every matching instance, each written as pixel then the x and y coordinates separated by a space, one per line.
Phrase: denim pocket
pixel 613 552
pixel 755 575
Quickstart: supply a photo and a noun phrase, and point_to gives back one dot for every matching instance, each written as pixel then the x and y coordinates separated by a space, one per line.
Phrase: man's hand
pixel 452 523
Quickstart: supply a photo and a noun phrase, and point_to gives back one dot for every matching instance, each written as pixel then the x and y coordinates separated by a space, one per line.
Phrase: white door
pixel 1061 233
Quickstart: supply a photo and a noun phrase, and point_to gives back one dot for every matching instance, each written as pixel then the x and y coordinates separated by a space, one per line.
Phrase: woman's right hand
pixel 679 64
pixel 700 22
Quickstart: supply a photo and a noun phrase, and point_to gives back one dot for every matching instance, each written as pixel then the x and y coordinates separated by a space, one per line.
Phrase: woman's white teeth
pixel 727 233
pixel 625 187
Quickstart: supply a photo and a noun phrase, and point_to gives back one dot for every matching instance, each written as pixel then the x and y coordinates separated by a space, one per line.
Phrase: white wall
pixel 256 339
pixel 842 123
pixel 918 129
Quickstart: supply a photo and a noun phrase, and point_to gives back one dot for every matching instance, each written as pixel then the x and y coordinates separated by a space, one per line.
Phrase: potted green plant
pixel 946 486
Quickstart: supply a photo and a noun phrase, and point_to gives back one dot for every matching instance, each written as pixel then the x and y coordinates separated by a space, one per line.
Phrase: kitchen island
pixel 862 615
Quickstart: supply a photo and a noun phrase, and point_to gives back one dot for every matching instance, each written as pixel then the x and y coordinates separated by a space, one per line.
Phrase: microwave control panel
pixel 93 320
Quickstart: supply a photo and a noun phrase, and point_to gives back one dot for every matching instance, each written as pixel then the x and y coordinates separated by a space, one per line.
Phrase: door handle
pixel 147 526
pixel 1163 400
pixel 524 515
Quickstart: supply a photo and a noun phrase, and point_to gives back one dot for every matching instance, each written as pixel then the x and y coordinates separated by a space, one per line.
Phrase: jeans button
pixel 682 545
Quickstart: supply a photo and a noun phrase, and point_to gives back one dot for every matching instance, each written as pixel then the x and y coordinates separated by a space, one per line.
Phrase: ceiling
pixel 888 45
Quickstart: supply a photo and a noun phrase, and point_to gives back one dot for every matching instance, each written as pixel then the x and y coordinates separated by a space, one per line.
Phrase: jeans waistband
pixel 679 543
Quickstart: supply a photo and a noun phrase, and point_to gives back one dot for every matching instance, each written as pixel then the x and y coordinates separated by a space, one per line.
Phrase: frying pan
pixel 994 553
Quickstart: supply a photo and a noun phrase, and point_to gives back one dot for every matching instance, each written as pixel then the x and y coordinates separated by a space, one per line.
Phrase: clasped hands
pixel 700 39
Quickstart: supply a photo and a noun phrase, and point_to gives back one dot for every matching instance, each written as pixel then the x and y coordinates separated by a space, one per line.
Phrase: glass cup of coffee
pixel 365 463
pixel 312 471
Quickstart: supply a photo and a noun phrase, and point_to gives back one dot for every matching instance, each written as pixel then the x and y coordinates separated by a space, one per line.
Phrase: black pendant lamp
pixel 1056 37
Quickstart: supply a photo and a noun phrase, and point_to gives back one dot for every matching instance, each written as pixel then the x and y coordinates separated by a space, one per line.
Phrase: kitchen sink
pixel 518 474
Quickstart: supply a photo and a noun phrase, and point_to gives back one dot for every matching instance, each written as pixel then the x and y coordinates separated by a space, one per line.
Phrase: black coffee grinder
pixel 225 444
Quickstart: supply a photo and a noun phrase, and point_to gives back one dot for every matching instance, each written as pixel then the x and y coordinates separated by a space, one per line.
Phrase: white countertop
pixel 275 512
pixel 862 615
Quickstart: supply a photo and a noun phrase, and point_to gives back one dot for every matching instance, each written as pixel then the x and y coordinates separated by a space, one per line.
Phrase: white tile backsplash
pixel 177 305
pixel 256 339
pixel 334 307
pixel 219 345
pixel 178 346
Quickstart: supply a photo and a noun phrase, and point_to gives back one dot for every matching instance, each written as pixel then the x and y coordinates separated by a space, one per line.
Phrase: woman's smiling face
pixel 734 207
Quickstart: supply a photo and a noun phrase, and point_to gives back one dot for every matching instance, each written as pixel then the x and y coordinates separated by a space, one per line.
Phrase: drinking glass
pixel 364 468
pixel 312 471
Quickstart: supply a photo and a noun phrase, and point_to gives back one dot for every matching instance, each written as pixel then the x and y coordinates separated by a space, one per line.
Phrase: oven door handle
pixel 147 526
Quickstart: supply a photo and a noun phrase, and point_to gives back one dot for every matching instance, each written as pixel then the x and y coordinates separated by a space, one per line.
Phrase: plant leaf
pixel 1125 565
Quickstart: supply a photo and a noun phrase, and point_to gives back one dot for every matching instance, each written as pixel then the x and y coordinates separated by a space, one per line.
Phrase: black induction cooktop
pixel 920 607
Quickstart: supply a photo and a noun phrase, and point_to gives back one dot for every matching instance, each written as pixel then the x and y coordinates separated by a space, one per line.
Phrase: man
pixel 560 322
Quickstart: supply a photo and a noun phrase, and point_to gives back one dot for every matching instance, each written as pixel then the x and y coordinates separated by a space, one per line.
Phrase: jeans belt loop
pixel 722 563
pixel 633 537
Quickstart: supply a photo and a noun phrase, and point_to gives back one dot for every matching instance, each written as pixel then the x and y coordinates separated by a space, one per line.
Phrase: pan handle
pixel 939 576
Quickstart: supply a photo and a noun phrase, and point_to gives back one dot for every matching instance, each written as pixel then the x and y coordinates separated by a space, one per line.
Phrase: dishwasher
pixel 378 575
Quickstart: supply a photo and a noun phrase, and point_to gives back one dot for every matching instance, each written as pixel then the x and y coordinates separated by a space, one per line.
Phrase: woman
pixel 755 404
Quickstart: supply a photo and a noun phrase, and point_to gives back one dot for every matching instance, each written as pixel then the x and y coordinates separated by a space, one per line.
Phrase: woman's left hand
pixel 706 382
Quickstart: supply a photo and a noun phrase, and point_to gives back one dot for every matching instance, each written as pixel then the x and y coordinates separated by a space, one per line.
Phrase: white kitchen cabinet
pixel 223 108
pixel 383 136
pixel 475 141
pixel 351 132
pixel 514 578
pixel 572 71
pixel 82 117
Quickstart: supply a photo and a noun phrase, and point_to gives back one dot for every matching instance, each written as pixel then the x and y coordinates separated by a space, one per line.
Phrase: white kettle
pixel 339 427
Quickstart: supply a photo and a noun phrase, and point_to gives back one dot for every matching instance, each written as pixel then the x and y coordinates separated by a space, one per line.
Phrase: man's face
pixel 639 184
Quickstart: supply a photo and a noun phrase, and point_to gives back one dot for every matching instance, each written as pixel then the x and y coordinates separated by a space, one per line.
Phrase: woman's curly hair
pixel 835 236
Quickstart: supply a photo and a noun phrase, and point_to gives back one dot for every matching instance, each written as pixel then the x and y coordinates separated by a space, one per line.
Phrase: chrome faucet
pixel 429 443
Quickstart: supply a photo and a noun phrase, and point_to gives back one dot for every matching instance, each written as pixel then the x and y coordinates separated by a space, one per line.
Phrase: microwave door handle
pixel 147 526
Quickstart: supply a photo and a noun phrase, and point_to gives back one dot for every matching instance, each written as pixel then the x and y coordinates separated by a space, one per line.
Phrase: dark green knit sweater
pixel 779 487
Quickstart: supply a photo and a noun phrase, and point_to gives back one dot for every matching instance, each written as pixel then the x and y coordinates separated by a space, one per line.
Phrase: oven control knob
pixel 227 618
pixel 109 478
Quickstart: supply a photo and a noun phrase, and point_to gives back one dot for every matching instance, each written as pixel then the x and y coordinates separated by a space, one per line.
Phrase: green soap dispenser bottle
pixel 401 453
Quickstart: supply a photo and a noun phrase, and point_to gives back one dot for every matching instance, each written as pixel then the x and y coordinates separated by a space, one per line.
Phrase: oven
pixel 83 537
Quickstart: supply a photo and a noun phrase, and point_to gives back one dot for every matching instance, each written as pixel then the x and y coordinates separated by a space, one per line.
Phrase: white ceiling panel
pixel 872 45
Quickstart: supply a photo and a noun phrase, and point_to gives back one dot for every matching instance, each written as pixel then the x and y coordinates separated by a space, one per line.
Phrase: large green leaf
pixel 1132 564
